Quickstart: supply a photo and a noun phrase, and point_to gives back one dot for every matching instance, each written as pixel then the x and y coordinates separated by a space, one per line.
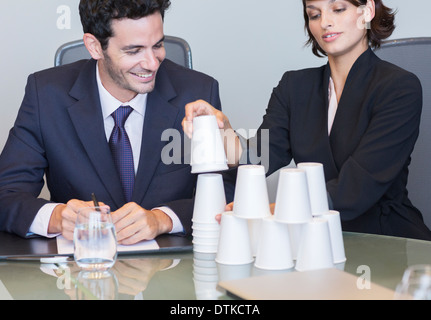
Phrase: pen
pixel 96 203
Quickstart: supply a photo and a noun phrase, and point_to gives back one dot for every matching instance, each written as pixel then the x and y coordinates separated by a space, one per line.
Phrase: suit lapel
pixel 86 116
pixel 159 116
pixel 331 169
pixel 345 134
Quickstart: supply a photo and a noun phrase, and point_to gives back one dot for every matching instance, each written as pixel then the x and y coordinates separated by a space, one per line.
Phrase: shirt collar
pixel 110 104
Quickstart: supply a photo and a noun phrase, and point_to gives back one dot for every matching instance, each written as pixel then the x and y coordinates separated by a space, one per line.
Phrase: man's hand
pixel 63 217
pixel 134 223
pixel 200 108
pixel 231 141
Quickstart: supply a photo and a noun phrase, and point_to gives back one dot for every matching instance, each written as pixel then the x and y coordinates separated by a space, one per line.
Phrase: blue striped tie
pixel 122 151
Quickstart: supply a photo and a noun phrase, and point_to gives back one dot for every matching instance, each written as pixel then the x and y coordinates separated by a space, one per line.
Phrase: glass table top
pixel 192 275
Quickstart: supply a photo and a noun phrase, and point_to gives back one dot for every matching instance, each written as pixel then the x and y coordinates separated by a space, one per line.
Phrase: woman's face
pixel 338 26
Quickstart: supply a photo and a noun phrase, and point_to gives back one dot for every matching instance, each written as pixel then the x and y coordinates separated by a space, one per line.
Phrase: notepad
pixel 324 284
pixel 65 247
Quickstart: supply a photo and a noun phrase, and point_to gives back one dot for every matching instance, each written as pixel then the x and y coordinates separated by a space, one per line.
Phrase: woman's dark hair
pixel 381 26
pixel 97 15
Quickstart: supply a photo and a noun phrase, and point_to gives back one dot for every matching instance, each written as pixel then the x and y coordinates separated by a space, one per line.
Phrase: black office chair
pixel 414 55
pixel 177 50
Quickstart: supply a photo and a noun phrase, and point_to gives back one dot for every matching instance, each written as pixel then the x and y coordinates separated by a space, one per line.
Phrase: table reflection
pixel 127 279
pixel 96 285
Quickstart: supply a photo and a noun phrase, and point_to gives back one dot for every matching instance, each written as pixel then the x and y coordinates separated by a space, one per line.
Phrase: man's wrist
pixel 55 221
pixel 164 221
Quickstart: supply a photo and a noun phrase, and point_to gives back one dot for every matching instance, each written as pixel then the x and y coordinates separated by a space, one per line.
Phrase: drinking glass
pixel 95 242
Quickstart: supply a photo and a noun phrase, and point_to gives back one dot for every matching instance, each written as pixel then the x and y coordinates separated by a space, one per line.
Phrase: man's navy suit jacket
pixel 59 131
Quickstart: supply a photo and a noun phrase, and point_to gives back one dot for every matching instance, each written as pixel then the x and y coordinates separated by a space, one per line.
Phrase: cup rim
pixel 205 244
pixel 309 164
pixel 267 267
pixel 234 262
pixel 293 222
pixel 205 222
pixel 209 167
pixel 251 217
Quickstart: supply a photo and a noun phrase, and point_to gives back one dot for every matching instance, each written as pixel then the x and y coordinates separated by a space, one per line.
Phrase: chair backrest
pixel 177 50
pixel 414 55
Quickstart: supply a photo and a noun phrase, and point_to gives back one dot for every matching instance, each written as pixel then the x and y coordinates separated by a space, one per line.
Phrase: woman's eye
pixel 313 15
pixel 340 10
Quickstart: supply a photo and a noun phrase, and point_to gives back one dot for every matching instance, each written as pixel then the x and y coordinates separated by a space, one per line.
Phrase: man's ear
pixel 93 46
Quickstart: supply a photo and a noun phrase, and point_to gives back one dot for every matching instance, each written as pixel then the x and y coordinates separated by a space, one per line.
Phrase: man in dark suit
pixel 66 119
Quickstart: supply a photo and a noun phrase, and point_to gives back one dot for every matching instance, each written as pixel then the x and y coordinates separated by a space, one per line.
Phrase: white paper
pixel 65 246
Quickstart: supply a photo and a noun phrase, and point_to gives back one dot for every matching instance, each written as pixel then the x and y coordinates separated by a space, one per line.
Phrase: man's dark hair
pixel 97 15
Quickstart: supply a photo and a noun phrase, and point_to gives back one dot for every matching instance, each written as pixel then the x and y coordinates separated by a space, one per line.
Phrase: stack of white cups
pixel 207 155
pixel 210 200
pixel 302 227
pixel 240 227
pixel 315 231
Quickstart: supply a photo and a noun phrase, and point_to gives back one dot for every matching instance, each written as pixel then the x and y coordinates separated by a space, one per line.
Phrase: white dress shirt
pixel 134 126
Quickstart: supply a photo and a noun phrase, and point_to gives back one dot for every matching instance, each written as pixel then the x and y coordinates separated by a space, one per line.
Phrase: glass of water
pixel 95 243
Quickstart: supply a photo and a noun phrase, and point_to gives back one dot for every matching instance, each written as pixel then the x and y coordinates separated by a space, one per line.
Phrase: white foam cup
pixel 203 247
pixel 207 150
pixel 205 232
pixel 208 226
pixel 206 240
pixel 274 249
pixel 336 234
pixel 234 242
pixel 292 204
pixel 316 187
pixel 251 193
pixel 315 250
pixel 210 198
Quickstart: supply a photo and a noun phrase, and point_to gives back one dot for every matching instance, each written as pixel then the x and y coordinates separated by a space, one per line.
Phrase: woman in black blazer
pixel 357 115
